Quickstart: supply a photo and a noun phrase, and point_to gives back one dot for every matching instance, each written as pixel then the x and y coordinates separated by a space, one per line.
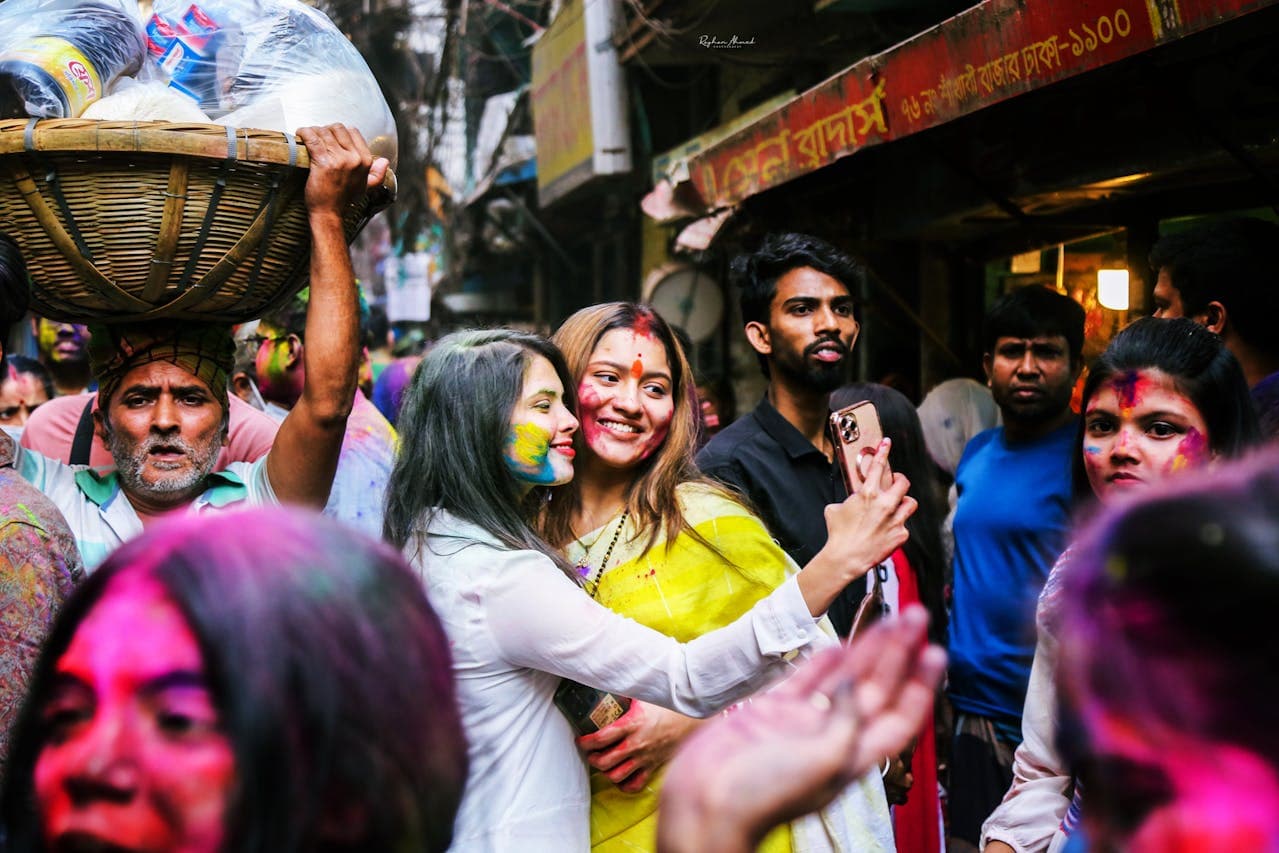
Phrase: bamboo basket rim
pixel 212 141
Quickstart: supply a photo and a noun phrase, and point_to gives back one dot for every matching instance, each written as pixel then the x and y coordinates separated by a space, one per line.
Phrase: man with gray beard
pixel 162 392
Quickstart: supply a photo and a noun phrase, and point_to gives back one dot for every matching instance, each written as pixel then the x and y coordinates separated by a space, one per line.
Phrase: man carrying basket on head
pixel 163 391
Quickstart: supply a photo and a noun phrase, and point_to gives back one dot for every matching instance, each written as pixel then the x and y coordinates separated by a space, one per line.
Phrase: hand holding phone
pixel 856 434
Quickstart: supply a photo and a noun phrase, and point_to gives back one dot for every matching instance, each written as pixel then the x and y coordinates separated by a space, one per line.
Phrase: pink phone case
pixel 854 428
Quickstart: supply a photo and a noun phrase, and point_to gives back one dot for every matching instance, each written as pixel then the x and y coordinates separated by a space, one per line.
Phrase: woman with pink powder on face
pixel 1164 397
pixel 488 433
pixel 655 541
pixel 260 681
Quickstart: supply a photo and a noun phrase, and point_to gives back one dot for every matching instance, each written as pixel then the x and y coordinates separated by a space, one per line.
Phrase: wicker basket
pixel 123 221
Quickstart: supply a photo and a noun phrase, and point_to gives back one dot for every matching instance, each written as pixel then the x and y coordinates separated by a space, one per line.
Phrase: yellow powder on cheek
pixel 530 445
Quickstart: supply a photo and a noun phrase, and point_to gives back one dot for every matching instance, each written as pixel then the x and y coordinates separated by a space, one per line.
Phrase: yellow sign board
pixel 562 101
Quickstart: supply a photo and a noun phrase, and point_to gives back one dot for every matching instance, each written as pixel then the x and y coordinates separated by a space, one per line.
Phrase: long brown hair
pixel 651 498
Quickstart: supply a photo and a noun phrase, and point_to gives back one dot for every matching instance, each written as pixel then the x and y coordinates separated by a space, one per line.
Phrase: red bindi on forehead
pixel 637 368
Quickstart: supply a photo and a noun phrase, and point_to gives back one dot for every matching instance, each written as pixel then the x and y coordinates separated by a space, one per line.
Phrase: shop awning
pixel 995 51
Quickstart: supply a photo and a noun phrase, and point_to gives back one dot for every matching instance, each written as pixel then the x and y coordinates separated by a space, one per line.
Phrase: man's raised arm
pixel 304 456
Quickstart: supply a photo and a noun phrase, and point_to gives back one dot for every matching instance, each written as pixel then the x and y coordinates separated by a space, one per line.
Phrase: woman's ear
pixel 1215 317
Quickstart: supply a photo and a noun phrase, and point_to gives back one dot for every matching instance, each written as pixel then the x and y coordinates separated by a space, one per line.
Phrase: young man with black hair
pixel 798 303
pixel 1221 275
pixel 1011 523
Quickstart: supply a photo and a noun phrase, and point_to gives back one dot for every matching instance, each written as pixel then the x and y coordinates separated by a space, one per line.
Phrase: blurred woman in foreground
pixel 1168 663
pixel 257 681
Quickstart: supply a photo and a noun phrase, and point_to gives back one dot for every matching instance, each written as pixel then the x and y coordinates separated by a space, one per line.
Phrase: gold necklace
pixel 591 576
pixel 603 530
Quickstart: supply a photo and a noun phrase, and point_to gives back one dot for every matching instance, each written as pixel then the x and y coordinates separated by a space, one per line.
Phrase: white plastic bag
pixel 271 64
pixel 274 64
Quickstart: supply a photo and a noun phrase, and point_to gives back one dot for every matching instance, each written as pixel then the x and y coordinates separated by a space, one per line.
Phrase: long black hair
pixel 15 286
pixel 329 670
pixel 453 425
pixel 909 456
pixel 1202 369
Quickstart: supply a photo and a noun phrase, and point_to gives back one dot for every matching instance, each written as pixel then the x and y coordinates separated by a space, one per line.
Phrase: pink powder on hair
pixel 644 324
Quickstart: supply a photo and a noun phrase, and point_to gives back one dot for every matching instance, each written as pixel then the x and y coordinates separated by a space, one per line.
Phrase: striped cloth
pixel 204 350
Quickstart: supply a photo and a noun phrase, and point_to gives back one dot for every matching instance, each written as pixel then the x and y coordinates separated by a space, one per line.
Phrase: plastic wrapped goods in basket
pixel 278 64
pixel 57 58
pixel 123 221
pixel 269 64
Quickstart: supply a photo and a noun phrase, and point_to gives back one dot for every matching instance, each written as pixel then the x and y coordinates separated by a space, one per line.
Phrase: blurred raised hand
pixel 792 749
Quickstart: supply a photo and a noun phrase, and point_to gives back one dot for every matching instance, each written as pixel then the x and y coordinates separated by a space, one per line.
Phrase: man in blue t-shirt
pixel 1011 523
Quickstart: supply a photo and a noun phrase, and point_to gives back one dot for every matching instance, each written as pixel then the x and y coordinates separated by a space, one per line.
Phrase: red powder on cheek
pixel 637 368
pixel 655 441
pixel 660 431
pixel 588 402
pixel 1192 451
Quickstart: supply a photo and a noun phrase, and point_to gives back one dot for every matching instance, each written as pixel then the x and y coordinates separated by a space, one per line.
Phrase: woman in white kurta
pixel 487 420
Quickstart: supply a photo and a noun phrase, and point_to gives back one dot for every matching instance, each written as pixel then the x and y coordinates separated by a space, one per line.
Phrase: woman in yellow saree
pixel 659 543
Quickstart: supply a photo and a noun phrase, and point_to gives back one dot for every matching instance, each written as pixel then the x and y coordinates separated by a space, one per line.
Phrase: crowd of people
pixel 553 597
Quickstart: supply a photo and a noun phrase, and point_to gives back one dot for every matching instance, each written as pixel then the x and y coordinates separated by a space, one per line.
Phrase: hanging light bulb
pixel 1112 289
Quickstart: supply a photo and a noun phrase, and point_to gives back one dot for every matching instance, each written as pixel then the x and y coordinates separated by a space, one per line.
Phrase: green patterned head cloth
pixel 205 350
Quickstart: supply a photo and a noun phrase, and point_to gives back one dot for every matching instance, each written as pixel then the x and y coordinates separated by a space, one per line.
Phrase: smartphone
pixel 854 429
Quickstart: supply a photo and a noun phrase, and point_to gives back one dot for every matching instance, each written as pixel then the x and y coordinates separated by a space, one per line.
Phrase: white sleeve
pixel 1037 800
pixel 256 481
pixel 540 619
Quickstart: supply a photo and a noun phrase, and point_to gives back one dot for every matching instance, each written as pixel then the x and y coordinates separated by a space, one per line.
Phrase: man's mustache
pixel 823 342
pixel 174 443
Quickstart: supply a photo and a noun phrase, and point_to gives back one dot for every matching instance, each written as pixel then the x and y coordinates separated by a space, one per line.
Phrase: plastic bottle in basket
pixel 70 63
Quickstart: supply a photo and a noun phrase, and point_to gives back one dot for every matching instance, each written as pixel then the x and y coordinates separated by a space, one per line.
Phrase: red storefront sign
pixel 990 53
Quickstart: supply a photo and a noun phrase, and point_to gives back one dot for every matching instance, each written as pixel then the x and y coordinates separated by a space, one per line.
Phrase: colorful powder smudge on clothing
pixel 527 450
